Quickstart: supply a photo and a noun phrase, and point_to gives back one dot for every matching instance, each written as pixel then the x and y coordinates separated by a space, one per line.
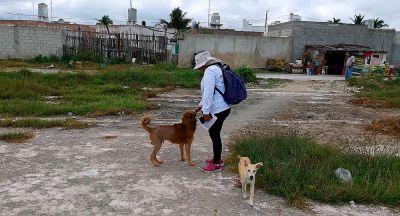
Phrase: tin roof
pixel 341 47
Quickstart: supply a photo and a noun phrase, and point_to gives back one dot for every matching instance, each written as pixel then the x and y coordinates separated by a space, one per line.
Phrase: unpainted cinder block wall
pixel 234 50
pixel 322 33
pixel 28 42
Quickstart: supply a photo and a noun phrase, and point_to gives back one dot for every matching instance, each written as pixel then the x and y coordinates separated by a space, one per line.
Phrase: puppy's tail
pixel 144 123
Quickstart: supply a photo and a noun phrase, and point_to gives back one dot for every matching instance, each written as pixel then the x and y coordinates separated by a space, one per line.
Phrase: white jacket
pixel 211 100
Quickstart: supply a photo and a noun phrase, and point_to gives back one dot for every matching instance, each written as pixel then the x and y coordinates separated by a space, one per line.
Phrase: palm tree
pixel 195 25
pixel 177 20
pixel 379 23
pixel 335 21
pixel 358 19
pixel 105 20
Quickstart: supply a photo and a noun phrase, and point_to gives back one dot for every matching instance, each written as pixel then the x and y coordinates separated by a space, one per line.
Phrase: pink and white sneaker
pixel 221 162
pixel 211 167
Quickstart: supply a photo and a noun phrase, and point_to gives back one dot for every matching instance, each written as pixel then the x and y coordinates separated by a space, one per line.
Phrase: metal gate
pixel 145 48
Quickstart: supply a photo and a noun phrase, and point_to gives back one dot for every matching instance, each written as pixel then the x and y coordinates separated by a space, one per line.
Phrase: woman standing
pixel 212 102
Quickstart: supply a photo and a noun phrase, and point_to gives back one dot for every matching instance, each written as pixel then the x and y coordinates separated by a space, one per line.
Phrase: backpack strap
pixel 222 67
pixel 218 91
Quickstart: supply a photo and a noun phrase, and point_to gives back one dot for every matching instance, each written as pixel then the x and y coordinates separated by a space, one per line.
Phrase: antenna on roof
pixel 130 3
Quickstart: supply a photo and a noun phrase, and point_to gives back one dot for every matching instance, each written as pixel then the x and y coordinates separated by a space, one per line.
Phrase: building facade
pixel 247 27
pixel 304 33
pixel 396 52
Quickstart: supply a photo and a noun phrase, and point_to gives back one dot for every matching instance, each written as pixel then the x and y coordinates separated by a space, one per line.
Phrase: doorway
pixel 335 62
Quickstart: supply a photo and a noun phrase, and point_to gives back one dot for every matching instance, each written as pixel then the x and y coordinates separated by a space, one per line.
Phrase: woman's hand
pixel 198 109
pixel 206 117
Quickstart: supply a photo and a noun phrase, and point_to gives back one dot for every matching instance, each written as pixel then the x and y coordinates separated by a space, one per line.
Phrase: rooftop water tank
pixel 215 21
pixel 132 15
pixel 43 12
pixel 369 23
pixel 295 17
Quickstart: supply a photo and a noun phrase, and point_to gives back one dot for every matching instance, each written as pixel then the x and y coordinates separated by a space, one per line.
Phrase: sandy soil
pixel 106 170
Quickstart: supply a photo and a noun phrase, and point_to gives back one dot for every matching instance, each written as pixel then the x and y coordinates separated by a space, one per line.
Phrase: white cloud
pixel 232 11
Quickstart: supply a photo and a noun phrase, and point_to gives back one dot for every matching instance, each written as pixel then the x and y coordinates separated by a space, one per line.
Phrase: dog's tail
pixel 144 123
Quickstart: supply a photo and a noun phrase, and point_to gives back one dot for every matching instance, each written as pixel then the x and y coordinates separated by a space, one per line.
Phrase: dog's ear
pixel 258 165
pixel 239 157
pixel 246 163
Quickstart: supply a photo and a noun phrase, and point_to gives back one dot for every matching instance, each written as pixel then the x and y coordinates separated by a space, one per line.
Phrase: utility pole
pixel 12 8
pixel 33 8
pixel 209 11
pixel 51 10
pixel 266 22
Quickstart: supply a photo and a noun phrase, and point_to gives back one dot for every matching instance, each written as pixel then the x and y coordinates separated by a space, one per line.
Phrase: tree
pixel 335 21
pixel 358 19
pixel 379 23
pixel 177 20
pixel 105 20
pixel 195 25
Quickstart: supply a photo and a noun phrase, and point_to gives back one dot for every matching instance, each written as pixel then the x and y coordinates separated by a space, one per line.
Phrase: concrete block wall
pixel 280 30
pixel 234 50
pixel 7 45
pixel 396 56
pixel 322 33
pixel 396 51
pixel 28 42
pixel 311 33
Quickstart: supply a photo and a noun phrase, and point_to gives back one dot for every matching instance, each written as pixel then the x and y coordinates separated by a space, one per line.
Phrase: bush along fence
pixel 148 49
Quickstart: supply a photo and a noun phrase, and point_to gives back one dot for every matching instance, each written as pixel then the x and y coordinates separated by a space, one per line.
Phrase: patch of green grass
pixel 272 82
pixel 45 59
pixel 18 137
pixel 42 123
pixel 374 86
pixel 25 93
pixel 246 73
pixel 297 167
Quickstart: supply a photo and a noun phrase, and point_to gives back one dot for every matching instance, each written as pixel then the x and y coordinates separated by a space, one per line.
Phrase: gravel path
pixel 81 172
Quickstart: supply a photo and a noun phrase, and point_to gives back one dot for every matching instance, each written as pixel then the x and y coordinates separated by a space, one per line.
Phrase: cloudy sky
pixel 232 11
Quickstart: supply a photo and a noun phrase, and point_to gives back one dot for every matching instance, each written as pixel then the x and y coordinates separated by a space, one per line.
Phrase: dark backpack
pixel 235 89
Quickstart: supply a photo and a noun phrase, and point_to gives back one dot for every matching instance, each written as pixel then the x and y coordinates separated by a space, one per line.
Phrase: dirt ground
pixel 106 170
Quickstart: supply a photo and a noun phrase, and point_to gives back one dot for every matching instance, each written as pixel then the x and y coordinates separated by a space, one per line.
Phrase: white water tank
pixel 295 17
pixel 43 14
pixel 215 21
pixel 369 23
pixel 132 15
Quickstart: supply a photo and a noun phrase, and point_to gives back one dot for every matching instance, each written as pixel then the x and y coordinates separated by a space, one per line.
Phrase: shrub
pixel 247 74
pixel 45 59
pixel 25 72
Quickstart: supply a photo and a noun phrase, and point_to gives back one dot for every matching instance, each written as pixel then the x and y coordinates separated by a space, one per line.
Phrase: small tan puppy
pixel 247 172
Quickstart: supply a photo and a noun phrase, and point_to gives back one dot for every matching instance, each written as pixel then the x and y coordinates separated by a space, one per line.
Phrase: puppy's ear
pixel 246 163
pixel 239 157
pixel 258 165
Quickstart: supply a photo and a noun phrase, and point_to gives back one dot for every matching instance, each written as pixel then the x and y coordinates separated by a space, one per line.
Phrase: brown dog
pixel 181 133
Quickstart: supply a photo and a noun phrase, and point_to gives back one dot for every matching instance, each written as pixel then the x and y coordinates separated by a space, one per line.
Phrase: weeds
pixel 45 59
pixel 246 73
pixel 296 167
pixel 376 88
pixel 18 137
pixel 110 92
pixel 41 123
